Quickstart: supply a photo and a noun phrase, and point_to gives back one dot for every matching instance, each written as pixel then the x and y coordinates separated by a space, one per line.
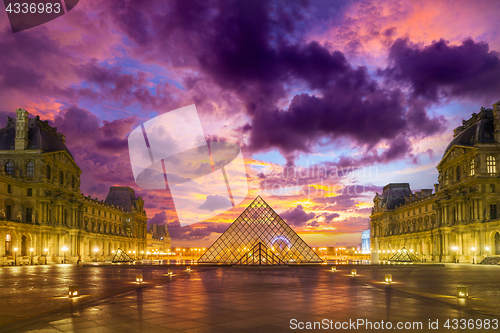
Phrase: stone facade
pixel 44 215
pixel 158 239
pixel 460 221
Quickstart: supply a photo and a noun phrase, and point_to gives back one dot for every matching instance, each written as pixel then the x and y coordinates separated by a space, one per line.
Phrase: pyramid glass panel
pixel 404 255
pixel 121 256
pixel 259 236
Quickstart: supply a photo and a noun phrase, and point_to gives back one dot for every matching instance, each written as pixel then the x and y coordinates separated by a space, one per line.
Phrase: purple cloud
pixel 297 216
pixel 441 70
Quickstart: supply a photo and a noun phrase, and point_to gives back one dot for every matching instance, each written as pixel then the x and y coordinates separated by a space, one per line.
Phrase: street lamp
pixel 64 249
pixel 95 253
pixel 46 256
pixel 15 256
pixel 455 248
pixel 487 248
pixel 31 256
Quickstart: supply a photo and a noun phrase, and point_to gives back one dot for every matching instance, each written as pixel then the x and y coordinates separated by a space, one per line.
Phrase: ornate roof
pixel 478 129
pixel 41 136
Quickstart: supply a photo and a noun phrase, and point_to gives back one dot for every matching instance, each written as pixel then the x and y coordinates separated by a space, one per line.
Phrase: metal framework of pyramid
pixel 121 256
pixel 259 233
pixel 404 255
pixel 260 255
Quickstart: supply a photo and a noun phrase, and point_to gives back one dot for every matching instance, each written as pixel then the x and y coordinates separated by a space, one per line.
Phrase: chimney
pixel 21 129
pixel 496 120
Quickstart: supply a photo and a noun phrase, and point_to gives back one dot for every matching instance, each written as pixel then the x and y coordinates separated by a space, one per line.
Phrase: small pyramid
pixel 404 255
pixel 260 231
pixel 121 256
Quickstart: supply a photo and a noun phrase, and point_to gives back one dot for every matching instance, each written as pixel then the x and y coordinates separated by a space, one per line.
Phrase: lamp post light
pixel 64 249
pixel 455 248
pixel 487 248
pixel 135 258
pixel 15 256
pixel 95 253
pixel 46 256
pixel 31 256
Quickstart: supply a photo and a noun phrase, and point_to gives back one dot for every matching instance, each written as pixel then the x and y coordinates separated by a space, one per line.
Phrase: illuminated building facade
pixel 43 214
pixel 158 239
pixel 460 220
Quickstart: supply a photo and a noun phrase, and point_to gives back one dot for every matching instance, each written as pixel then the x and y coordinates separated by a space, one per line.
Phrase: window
pixel 73 181
pixel 493 212
pixel 47 172
pixel 454 215
pixel 492 188
pixel 9 168
pixel 8 244
pixel 426 208
pixel 65 217
pixel 414 212
pixel 471 213
pixel 30 192
pixel 420 210
pixel 446 177
pixel 9 188
pixel 491 164
pixel 29 214
pixel 93 211
pixel 458 173
pixel 472 170
pixel 61 178
pixel 8 212
pixel 30 169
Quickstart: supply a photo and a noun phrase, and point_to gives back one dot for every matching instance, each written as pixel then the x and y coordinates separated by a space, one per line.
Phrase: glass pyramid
pixel 121 256
pixel 404 255
pixel 259 232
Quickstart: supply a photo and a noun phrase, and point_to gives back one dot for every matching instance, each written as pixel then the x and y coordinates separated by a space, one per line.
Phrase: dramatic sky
pixel 329 100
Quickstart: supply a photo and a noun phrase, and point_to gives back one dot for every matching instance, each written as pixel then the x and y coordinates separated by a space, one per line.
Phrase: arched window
pixel 47 172
pixel 497 243
pixel 8 244
pixel 61 177
pixel 491 164
pixel 30 169
pixel 458 173
pixel 9 168
pixel 472 170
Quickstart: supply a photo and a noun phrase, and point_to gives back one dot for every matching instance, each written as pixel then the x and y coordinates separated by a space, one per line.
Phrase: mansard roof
pixel 41 136
pixel 478 129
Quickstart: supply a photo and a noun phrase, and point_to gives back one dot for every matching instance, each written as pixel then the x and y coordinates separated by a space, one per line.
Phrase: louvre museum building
pixel 459 220
pixel 43 215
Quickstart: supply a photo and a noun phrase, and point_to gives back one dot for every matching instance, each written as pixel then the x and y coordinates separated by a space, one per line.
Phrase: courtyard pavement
pixel 225 299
